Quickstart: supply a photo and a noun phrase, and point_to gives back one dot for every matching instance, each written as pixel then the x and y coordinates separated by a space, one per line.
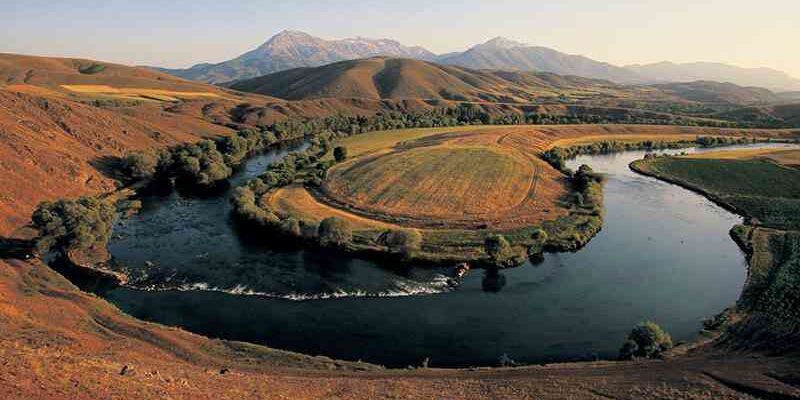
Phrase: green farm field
pixel 758 188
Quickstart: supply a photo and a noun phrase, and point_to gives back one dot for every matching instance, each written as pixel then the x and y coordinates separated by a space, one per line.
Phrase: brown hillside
pixel 393 78
pixel 53 72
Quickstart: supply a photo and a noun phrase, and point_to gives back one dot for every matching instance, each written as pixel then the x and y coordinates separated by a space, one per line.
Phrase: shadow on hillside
pixel 20 249
pixel 108 166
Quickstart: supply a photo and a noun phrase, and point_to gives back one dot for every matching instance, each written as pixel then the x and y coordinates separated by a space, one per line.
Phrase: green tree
pixel 646 340
pixel 334 231
pixel 67 225
pixel 340 153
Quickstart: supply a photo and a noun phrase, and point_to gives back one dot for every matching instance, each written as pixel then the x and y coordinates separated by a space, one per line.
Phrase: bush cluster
pixel 646 340
pixel 66 225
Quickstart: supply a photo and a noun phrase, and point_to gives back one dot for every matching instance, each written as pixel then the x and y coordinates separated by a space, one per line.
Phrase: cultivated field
pixel 790 158
pixel 754 186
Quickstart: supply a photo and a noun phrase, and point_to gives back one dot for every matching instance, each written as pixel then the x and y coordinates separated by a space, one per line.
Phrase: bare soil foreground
pixel 60 343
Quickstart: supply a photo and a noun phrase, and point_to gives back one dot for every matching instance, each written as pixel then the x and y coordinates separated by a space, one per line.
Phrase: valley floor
pixel 57 342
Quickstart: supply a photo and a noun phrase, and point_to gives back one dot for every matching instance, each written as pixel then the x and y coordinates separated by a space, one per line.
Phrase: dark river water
pixel 664 254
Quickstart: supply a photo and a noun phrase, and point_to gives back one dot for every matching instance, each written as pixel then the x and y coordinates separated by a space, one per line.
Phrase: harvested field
pixel 454 181
pixel 790 158
pixel 138 93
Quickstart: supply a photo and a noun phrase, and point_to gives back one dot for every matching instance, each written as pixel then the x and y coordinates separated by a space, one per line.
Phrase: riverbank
pixel 768 195
pixel 160 362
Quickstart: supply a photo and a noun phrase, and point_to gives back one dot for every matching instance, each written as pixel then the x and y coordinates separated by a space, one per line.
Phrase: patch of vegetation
pixel 205 163
pixel 92 69
pixel 340 153
pixel 406 242
pixel 500 253
pixel 67 225
pixel 646 340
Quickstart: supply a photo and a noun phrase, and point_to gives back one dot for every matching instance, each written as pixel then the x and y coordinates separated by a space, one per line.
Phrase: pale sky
pixel 180 33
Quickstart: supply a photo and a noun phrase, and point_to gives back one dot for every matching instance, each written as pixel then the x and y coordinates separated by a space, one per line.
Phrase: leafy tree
pixel 584 177
pixel 499 250
pixel 334 231
pixel 340 153
pixel 539 237
pixel 67 225
pixel 646 340
pixel 201 163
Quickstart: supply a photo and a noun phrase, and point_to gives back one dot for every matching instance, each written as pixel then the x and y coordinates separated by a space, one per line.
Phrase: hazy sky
pixel 179 33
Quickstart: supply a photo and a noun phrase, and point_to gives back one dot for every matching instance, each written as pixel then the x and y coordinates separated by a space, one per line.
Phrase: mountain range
pixel 293 49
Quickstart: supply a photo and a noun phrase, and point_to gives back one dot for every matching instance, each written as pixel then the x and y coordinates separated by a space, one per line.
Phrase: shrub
pixel 499 250
pixel 67 225
pixel 140 165
pixel 646 340
pixel 340 153
pixel 334 231
pixel 403 241
pixel 539 237
pixel 245 206
pixel 308 229
pixel 291 227
pixel 92 69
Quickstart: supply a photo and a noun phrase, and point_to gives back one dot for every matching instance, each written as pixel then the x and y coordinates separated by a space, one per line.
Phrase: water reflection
pixel 663 254
pixel 493 280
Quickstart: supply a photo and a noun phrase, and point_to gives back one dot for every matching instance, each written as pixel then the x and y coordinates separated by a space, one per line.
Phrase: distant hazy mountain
pixel 716 92
pixel 291 49
pixel 503 54
pixel 706 71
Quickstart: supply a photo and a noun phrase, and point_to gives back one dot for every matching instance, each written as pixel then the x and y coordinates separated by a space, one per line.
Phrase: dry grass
pixel 449 178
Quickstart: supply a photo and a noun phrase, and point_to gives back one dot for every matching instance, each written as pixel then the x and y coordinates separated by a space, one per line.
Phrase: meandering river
pixel 664 254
